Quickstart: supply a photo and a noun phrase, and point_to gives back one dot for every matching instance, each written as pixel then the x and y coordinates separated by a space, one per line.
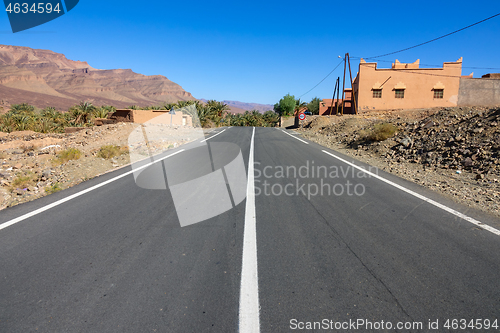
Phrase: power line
pixel 412 47
pixel 333 70
pixel 435 39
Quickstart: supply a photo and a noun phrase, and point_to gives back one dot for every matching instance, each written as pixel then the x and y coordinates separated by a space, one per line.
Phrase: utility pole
pixel 352 86
pixel 343 84
pixel 338 95
pixel 336 89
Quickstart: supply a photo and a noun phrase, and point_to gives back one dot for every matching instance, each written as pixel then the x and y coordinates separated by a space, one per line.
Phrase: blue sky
pixel 258 51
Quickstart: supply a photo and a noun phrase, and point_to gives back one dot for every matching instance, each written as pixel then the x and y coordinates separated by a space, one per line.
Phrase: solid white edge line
pixel 295 137
pixel 432 202
pixel 57 203
pixel 249 292
pixel 213 136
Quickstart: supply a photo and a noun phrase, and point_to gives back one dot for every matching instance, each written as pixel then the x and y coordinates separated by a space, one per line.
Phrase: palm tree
pixel 45 125
pixel 22 122
pixel 103 111
pixel 183 104
pixel 21 108
pixel 299 105
pixel 271 118
pixel 6 123
pixel 49 112
pixel 82 113
pixel 168 106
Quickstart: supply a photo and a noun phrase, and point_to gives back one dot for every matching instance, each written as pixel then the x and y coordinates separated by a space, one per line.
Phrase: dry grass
pixel 23 181
pixel 67 155
pixel 111 151
pixel 382 131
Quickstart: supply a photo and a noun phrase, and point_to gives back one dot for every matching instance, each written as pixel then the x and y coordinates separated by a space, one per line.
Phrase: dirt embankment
pixel 29 166
pixel 33 164
pixel 455 151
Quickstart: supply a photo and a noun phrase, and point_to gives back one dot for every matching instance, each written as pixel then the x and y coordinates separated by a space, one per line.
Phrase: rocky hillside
pixel 45 78
pixel 451 138
pixel 454 140
pixel 455 151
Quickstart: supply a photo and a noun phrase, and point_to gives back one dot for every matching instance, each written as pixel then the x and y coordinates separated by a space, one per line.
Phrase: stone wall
pixel 481 92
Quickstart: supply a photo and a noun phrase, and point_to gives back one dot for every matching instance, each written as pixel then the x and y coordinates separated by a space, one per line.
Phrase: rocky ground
pixel 30 166
pixel 454 151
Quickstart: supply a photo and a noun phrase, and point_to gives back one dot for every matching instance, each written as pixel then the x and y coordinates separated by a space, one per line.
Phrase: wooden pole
pixel 352 86
pixel 333 97
pixel 343 85
pixel 338 93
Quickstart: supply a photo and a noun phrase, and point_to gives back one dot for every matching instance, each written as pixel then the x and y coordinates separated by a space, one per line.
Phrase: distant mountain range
pixel 45 78
pixel 241 107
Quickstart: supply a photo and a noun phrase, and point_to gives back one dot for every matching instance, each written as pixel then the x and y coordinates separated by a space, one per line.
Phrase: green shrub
pixel 53 189
pixel 382 132
pixel 67 155
pixel 110 151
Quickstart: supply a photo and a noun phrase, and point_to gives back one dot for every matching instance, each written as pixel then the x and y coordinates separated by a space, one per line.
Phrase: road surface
pixel 333 248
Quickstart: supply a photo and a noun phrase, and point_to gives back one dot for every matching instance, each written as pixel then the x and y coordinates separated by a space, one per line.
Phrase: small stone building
pixel 152 117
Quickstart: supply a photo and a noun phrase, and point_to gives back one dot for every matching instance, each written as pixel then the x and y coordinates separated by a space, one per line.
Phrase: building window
pixel 377 93
pixel 438 93
pixel 400 93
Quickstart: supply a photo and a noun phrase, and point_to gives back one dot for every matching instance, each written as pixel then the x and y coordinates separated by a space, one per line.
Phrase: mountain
pixel 45 78
pixel 234 110
pixel 236 106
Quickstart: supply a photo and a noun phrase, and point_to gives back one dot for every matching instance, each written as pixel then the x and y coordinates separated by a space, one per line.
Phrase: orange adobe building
pixel 406 86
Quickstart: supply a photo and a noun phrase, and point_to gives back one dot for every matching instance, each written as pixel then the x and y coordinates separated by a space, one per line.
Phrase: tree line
pixel 23 117
pixel 215 114
pixel 289 105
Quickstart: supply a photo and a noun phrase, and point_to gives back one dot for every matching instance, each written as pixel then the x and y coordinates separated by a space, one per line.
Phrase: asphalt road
pixel 338 246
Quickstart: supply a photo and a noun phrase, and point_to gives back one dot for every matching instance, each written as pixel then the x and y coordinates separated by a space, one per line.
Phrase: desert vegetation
pixel 110 151
pixel 67 155
pixel 381 132
pixel 25 117
pixel 53 188
pixel 289 105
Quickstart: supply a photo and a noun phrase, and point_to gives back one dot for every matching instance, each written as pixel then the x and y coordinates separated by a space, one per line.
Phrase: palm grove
pixel 22 117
